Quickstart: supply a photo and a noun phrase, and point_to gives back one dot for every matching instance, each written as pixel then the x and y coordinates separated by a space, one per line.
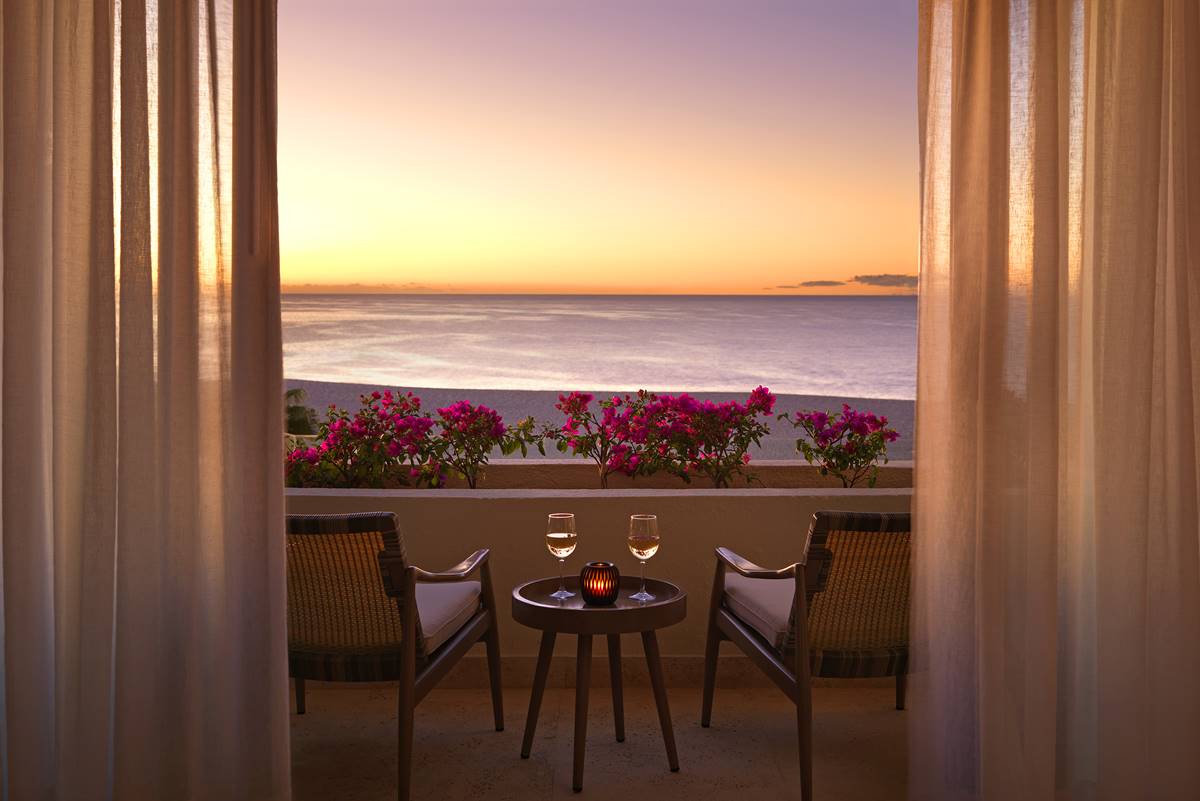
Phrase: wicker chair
pixel 345 624
pixel 843 613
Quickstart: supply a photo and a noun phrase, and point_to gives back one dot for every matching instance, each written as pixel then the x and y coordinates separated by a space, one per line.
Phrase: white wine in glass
pixel 643 544
pixel 560 541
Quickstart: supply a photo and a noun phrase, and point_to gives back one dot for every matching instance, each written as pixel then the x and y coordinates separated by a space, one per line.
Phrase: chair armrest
pixel 459 572
pixel 750 570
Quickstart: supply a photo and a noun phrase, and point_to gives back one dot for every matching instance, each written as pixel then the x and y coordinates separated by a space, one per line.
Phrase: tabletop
pixel 532 606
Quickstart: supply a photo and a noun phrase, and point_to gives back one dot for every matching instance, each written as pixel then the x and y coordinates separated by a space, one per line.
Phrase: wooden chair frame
pixel 793 679
pixel 419 676
pixel 419 671
pixel 790 667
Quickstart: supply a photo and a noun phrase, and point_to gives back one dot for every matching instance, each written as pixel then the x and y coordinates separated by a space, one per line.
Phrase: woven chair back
pixel 337 600
pixel 861 601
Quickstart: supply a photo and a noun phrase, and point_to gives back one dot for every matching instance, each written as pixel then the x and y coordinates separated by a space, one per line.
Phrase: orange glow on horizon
pixel 621 150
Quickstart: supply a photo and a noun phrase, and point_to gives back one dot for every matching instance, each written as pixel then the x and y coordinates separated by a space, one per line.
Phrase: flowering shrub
pixel 614 439
pixel 644 433
pixel 391 442
pixel 689 437
pixel 385 443
pixel 849 445
pixel 469 433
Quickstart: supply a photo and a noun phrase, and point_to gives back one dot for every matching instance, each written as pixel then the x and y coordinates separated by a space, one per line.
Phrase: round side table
pixel 532 606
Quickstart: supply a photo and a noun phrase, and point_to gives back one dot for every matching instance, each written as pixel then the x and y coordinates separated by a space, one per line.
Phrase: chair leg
pixel 299 695
pixel 712 649
pixel 712 645
pixel 405 743
pixel 901 687
pixel 408 687
pixel 804 732
pixel 493 656
pixel 803 677
pixel 492 643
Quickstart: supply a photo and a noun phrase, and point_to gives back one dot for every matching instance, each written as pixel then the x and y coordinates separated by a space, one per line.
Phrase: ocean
pixel 832 346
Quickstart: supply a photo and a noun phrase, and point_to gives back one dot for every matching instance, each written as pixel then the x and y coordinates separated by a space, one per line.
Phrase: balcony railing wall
pixel 443 526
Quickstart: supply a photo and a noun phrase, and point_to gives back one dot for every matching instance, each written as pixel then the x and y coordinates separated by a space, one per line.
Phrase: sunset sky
pixel 691 146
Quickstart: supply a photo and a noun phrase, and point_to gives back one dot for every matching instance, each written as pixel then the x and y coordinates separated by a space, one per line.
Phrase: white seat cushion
pixel 764 605
pixel 444 608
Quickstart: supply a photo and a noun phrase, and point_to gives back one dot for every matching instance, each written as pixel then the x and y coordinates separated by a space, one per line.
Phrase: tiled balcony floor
pixel 345 747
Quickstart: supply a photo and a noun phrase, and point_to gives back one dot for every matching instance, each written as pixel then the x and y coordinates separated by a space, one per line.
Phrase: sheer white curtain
pixel 144 644
pixel 1057 575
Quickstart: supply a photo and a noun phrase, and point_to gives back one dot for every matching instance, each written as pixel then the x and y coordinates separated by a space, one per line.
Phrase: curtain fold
pixel 1057 571
pixel 141 581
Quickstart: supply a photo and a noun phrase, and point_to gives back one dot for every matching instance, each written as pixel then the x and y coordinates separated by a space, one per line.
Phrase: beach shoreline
pixel 514 404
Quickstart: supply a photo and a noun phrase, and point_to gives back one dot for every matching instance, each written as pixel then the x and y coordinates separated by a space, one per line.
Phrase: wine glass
pixel 560 539
pixel 643 543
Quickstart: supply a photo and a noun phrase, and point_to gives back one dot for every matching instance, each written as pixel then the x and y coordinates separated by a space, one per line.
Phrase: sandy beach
pixel 514 404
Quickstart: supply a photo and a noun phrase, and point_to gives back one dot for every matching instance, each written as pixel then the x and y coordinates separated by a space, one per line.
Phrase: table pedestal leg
pixel 539 687
pixel 614 669
pixel 583 678
pixel 654 663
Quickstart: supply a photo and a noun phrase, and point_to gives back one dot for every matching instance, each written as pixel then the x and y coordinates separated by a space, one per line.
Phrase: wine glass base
pixel 562 595
pixel 642 596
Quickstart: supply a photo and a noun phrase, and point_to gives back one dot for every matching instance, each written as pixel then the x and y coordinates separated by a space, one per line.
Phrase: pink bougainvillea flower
pixel 847 445
pixel 762 400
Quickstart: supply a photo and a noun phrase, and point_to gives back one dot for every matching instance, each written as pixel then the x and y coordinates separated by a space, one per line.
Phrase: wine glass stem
pixel 562 584
pixel 643 562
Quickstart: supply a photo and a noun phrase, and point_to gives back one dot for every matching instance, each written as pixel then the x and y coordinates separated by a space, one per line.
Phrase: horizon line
pixel 310 289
